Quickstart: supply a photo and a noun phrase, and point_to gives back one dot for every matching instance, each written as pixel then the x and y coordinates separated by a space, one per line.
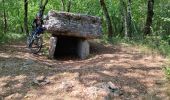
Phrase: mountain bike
pixel 35 42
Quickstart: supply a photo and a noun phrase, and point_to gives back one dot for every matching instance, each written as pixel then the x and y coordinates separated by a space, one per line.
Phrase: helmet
pixel 38 15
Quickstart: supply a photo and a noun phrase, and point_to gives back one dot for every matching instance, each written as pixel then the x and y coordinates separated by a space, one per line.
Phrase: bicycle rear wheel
pixel 36 45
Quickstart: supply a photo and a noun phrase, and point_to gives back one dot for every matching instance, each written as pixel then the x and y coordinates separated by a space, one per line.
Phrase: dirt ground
pixel 138 74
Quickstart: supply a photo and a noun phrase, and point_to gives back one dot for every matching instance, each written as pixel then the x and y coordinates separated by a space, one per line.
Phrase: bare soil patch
pixel 137 75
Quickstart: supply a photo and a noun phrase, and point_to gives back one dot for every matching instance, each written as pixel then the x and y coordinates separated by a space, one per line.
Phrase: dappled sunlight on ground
pixel 135 73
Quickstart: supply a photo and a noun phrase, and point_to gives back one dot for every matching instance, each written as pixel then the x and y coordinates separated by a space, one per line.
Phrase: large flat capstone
pixel 76 25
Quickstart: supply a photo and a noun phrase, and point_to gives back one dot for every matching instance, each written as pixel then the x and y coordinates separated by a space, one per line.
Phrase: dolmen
pixel 68 29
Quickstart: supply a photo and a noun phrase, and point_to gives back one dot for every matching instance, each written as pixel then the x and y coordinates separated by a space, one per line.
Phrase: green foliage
pixel 15 13
pixel 167 71
pixel 158 44
pixel 160 28
pixel 10 37
pixel 153 43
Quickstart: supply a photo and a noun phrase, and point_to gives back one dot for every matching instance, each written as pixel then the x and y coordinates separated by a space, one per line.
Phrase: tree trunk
pixel 43 7
pixel 21 27
pixel 26 17
pixel 124 14
pixel 5 17
pixel 69 6
pixel 108 20
pixel 129 19
pixel 63 5
pixel 150 13
pixel 126 25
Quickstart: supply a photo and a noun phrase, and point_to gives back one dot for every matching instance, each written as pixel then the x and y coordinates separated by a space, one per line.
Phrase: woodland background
pixel 145 22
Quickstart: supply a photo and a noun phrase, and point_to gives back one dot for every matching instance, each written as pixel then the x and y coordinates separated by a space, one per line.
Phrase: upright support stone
pixel 83 49
pixel 52 47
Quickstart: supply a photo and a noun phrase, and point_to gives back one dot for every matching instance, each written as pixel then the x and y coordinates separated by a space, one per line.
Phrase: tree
pixel 66 6
pixel 4 17
pixel 20 22
pixel 124 13
pixel 69 6
pixel 26 17
pixel 42 7
pixel 63 5
pixel 13 19
pixel 127 17
pixel 108 20
pixel 150 13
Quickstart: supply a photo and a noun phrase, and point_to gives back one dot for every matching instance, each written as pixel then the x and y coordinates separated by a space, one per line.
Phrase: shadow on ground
pixel 135 73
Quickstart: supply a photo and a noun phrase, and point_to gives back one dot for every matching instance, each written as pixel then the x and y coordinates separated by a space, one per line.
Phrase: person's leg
pixel 35 32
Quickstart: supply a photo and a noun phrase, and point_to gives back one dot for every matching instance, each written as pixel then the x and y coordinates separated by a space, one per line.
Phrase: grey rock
pixel 69 24
pixel 41 81
pixel 53 43
pixel 110 90
pixel 28 62
pixel 67 85
pixel 83 49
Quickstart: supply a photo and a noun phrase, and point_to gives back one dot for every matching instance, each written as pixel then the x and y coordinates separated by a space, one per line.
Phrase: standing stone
pixel 83 49
pixel 52 47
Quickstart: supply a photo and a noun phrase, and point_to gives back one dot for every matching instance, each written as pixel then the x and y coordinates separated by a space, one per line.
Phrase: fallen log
pixel 76 25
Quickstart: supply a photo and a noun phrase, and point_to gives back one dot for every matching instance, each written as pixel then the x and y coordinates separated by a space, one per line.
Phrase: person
pixel 37 25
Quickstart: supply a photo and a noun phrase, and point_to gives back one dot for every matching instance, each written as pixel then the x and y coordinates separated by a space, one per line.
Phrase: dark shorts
pixel 38 30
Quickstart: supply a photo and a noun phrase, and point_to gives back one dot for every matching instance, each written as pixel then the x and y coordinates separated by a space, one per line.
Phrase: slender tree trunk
pixel 26 17
pixel 66 7
pixel 69 6
pixel 126 24
pixel 129 19
pixel 124 10
pixel 42 7
pixel 5 17
pixel 108 20
pixel 150 13
pixel 40 3
pixel 21 27
pixel 131 23
pixel 63 5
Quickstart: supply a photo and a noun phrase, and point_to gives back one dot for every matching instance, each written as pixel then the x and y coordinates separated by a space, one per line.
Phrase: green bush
pixel 167 72
pixel 10 37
